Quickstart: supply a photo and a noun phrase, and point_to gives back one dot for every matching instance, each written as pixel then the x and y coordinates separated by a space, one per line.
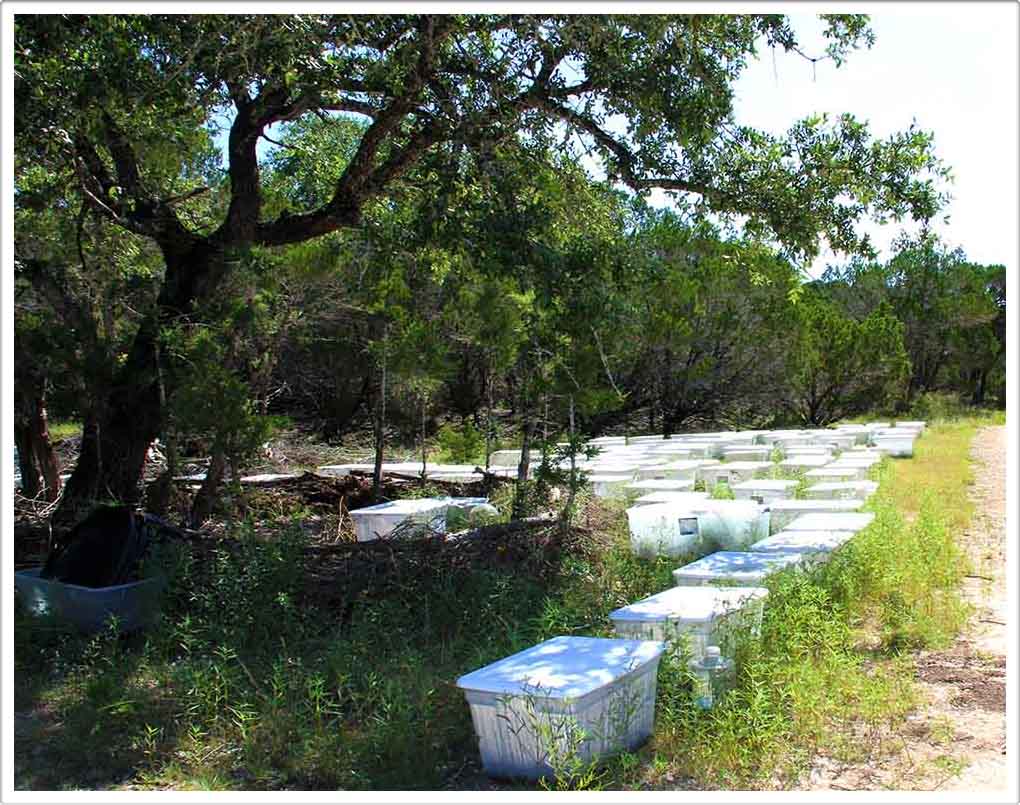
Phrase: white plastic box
pixel 374 522
pixel 803 463
pixel 695 617
pixel 764 490
pixel 662 485
pixel 784 512
pixel 609 485
pixel 505 458
pixel 895 446
pixel 841 490
pixel 675 529
pixel 831 474
pixel 677 498
pixel 817 546
pixel 568 698
pixel 685 470
pixel 735 568
pixel 832 521
pixel 747 453
pixel 734 472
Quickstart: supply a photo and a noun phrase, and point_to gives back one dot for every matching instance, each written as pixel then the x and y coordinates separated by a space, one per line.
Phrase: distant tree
pixel 840 366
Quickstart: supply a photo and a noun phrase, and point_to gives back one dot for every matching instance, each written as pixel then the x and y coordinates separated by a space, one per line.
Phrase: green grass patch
pixel 63 429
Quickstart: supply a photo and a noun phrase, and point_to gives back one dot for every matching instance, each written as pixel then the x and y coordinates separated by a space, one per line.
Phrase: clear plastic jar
pixel 713 676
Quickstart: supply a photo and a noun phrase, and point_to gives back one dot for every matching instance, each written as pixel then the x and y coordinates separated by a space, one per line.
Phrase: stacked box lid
pixel 563 667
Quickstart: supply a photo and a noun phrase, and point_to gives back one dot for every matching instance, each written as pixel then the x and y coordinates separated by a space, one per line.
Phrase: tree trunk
pixel 568 510
pixel 43 447
pixel 378 426
pixel 520 490
pixel 31 480
pixel 201 506
pixel 40 471
pixel 130 414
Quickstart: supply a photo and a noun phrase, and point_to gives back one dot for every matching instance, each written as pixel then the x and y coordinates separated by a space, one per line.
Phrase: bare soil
pixel 956 740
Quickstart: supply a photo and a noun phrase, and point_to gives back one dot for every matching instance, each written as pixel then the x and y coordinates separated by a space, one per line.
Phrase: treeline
pixel 384 223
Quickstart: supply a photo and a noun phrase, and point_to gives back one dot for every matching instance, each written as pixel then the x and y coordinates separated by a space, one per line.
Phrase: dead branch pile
pixel 342 573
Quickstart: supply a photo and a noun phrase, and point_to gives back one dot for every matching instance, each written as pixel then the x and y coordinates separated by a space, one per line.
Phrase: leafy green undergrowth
pixel 243 685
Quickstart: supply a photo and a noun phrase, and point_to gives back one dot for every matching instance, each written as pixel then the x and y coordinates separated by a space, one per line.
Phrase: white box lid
pixel 563 667
pixel 834 486
pixel 668 496
pixel 808 541
pixel 765 483
pixel 834 506
pixel 831 521
pixel 739 564
pixel 664 484
pixel 689 604
pixel 403 507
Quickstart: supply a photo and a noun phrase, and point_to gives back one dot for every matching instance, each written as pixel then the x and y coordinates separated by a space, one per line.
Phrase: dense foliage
pixel 399 219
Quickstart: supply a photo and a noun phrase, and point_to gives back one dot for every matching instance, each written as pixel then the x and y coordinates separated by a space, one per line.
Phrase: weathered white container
pixel 609 485
pixel 603 441
pixel 612 467
pixel 895 446
pixel 764 490
pixel 786 443
pixel 918 425
pixel 803 463
pixel 813 450
pixel 830 473
pixel 662 485
pixel 684 470
pixel 651 471
pixel 861 454
pixel 735 568
pixel 375 522
pixel 648 439
pixel 568 698
pixel 862 465
pixel 784 512
pixel 670 453
pixel 841 490
pixel 815 545
pixel 748 453
pixel 734 472
pixel 664 529
pixel 873 426
pixel 702 449
pixel 831 521
pixel 674 529
pixel 505 458
pixel 678 498
pixel 841 441
pixel 695 617
pixel 855 470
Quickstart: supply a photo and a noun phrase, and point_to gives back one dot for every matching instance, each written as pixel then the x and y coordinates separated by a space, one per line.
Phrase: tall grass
pixel 244 684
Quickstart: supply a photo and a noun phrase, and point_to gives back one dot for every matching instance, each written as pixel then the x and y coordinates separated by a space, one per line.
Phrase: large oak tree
pixel 111 105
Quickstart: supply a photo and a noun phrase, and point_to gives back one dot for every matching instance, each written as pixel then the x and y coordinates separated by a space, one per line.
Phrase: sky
pixel 952 68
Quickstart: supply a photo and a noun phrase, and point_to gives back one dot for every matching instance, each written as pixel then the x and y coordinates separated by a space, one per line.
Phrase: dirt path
pixel 956 741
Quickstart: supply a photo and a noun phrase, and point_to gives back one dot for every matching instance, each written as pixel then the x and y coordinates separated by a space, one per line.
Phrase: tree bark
pixel 43 448
pixel 378 426
pixel 523 467
pixel 130 415
pixel 201 506
pixel 31 479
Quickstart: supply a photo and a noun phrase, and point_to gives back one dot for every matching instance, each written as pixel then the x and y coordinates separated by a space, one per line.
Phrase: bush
pixel 462 444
